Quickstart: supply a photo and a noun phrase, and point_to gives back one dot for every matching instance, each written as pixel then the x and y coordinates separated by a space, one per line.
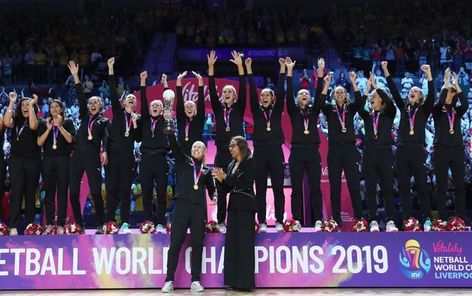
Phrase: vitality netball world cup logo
pixel 415 262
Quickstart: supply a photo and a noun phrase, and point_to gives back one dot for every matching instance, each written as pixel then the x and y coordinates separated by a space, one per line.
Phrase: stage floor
pixel 333 291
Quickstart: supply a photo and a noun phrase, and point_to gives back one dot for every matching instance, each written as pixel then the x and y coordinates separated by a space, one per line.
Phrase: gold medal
pixel 186 139
pixel 344 129
pixel 90 137
pixel 195 187
pixel 126 134
pixel 18 138
pixel 451 131
pixel 268 128
pixel 375 136
pixel 54 146
pixel 412 132
pixel 228 128
pixel 306 132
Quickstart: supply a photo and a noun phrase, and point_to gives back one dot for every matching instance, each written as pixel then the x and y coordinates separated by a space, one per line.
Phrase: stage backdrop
pixel 190 92
pixel 281 260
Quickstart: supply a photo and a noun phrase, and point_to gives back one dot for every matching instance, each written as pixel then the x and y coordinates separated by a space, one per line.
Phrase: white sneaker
pixel 160 229
pixel 374 226
pixel 196 287
pixel 391 227
pixel 279 227
pixel 427 225
pixel 298 226
pixel 60 230
pixel 168 287
pixel 318 226
pixel 222 228
pixel 263 227
pixel 48 230
pixel 124 229
pixel 13 231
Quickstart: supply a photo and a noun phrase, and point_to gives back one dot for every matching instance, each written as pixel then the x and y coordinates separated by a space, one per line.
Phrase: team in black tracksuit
pixel 90 139
pixel 56 136
pixel 229 122
pixel 190 128
pixel 190 208
pixel 154 149
pixel 411 154
pixel 342 150
pixel 25 155
pixel 121 161
pixel 268 139
pixel 304 153
pixel 449 148
pixel 377 162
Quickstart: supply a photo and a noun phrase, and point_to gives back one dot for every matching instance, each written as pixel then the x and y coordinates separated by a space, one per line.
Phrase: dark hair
pixel 59 102
pixel 243 147
pixel 19 118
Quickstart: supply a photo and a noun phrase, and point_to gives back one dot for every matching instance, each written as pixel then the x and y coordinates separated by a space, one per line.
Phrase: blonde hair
pixel 200 143
pixel 232 89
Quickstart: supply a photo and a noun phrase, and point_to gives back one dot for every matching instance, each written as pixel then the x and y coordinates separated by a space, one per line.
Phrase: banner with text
pixel 282 260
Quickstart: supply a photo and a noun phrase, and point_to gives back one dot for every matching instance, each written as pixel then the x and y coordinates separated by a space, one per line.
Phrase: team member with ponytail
pixel 229 116
pixel 154 149
pixel 121 162
pixel 268 139
pixel 90 152
pixel 449 145
pixel 25 157
pixel 377 162
pixel 56 135
pixel 342 151
pixel 304 154
pixel 411 154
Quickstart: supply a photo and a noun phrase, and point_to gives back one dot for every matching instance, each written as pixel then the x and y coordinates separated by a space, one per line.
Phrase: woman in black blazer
pixel 239 241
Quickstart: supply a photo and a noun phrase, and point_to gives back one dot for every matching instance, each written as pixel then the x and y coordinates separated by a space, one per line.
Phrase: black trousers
pixel 301 161
pixel 119 173
pixel 377 164
pixel 239 250
pixel 89 162
pixel 445 158
pixel 55 172
pixel 186 215
pixel 24 176
pixel 344 157
pixel 2 182
pixel 222 160
pixel 154 168
pixel 411 161
pixel 269 161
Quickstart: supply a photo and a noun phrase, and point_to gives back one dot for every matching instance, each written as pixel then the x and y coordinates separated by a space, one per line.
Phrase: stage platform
pixel 283 260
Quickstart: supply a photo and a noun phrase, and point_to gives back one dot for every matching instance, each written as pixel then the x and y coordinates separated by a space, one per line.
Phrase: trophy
pixel 168 96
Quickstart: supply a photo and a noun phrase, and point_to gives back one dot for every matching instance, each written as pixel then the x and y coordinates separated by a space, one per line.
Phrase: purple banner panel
pixel 224 54
pixel 282 260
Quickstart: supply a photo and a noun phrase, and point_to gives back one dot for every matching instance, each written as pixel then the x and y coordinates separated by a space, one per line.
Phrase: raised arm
pixel 462 98
pixel 359 100
pixel 115 101
pixel 215 103
pixel 201 97
pixel 429 101
pixel 180 110
pixel 252 87
pixel 32 120
pixel 291 107
pixel 8 120
pixel 321 100
pixel 279 92
pixel 142 88
pixel 74 70
pixel 238 61
pixel 393 88
pixel 320 103
pixel 175 147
